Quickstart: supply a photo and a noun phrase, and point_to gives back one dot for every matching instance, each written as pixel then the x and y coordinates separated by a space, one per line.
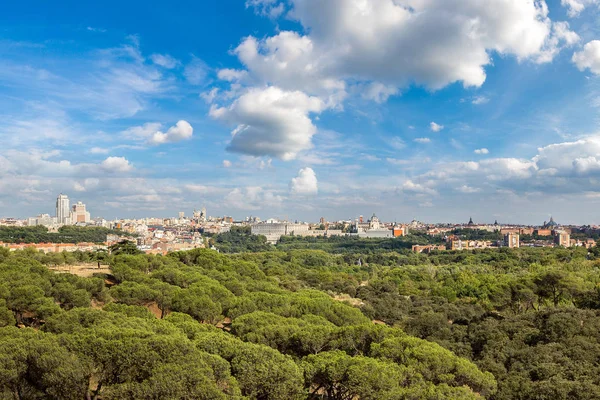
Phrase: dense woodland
pixel 65 234
pixel 239 240
pixel 302 324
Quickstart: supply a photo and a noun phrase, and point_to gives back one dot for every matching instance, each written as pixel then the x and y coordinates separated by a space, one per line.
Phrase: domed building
pixel 550 224
pixel 374 223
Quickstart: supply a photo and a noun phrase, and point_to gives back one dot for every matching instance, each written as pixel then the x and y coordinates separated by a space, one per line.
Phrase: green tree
pixel 555 286
pixel 124 247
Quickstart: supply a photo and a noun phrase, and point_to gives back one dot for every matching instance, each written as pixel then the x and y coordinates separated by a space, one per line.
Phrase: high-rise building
pixel 42 219
pixel 79 214
pixel 62 209
pixel 181 215
pixel 562 238
pixel 512 240
pixel 457 244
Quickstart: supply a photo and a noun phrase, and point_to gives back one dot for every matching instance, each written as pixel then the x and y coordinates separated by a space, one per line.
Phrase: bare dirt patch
pixel 154 309
pixel 346 298
pixel 83 270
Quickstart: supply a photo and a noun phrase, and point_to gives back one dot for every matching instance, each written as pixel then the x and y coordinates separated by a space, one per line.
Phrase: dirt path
pixel 83 270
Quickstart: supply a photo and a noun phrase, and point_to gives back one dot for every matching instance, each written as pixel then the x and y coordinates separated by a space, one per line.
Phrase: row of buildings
pixel 273 229
pixel 65 214
pixel 548 234
pixel 560 238
pixel 183 233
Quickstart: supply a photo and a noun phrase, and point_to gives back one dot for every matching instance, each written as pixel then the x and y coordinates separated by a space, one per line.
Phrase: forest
pixel 240 240
pixel 302 324
pixel 65 234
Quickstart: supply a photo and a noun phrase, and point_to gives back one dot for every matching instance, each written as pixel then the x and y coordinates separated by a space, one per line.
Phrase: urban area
pixel 187 232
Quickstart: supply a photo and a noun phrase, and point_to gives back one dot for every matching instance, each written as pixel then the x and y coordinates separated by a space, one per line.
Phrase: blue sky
pixel 430 109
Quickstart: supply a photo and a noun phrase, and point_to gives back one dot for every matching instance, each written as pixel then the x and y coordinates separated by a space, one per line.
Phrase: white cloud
pixel 204 189
pixel 397 143
pixel 116 164
pixel 562 37
pixel 378 92
pixel 40 123
pixel 142 132
pixel 318 158
pixel 210 96
pixel 104 84
pixel 286 61
pixel 586 165
pixel 503 168
pixel 435 127
pixel 305 183
pixel 252 198
pixel 232 75
pixel 39 164
pixel 569 158
pixel 264 164
pixel 477 100
pixel 396 161
pixel 562 32
pixel 375 48
pixel 568 167
pixel 423 140
pixel 92 29
pixel 575 7
pixel 456 144
pixel 417 188
pixel 99 150
pixel 468 189
pixel 270 122
pixel 481 151
pixel 164 60
pixel 227 163
pixel 181 131
pixel 140 198
pixel 196 71
pixel 270 8
pixel 86 184
pixel 151 132
pixel 382 42
pixel 589 57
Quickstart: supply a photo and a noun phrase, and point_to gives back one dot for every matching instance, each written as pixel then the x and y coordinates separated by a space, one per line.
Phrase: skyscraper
pixel 79 214
pixel 62 209
pixel 512 240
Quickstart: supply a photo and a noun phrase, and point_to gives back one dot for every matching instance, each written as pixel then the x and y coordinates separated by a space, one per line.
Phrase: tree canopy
pixel 303 324
pixel 65 234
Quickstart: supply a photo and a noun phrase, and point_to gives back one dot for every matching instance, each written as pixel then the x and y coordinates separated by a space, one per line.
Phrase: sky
pixel 435 110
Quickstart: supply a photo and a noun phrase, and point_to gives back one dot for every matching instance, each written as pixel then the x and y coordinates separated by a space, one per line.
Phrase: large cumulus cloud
pixel 374 48
pixel 305 183
pixel 271 122
pixel 429 42
pixel 568 167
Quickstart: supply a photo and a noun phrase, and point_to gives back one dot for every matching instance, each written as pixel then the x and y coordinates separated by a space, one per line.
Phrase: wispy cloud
pixel 423 140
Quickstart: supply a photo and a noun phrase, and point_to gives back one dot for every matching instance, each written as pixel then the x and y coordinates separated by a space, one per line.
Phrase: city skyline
pixel 292 108
pixel 70 215
pixel 202 213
